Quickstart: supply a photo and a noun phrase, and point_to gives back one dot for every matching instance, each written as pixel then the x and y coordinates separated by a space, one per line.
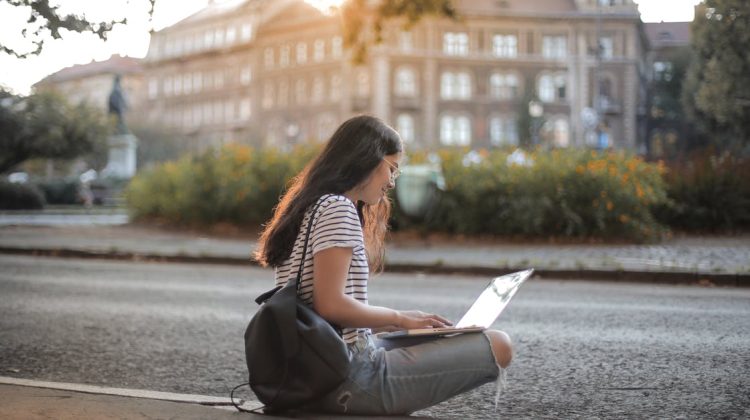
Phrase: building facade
pixel 92 82
pixel 276 73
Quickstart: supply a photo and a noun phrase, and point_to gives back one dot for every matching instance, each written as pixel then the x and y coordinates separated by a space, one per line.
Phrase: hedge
pixel 573 193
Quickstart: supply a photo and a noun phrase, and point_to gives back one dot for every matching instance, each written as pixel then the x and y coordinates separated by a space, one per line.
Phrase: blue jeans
pixel 400 376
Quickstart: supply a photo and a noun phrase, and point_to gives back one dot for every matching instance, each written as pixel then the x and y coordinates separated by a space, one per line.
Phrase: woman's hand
pixel 409 320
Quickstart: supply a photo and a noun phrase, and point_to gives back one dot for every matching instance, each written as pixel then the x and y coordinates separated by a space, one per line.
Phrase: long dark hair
pixel 350 156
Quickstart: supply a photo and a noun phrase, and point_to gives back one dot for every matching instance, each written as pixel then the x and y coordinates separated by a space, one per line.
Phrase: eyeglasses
pixel 395 172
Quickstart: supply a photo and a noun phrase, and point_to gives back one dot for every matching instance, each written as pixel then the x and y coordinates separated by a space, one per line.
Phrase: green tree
pixel 716 92
pixel 363 20
pixel 46 19
pixel 45 125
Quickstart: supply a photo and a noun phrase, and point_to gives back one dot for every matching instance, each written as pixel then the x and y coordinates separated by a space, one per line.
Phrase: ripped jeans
pixel 400 376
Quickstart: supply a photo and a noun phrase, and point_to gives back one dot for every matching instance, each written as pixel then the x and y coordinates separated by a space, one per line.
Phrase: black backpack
pixel 293 354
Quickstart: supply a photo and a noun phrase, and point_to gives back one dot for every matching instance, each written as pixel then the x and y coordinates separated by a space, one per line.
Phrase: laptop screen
pixel 493 300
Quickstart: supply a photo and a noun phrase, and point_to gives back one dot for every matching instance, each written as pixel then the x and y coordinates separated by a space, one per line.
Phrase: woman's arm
pixel 330 270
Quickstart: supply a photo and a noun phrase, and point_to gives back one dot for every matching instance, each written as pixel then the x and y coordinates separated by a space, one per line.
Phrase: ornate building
pixel 274 73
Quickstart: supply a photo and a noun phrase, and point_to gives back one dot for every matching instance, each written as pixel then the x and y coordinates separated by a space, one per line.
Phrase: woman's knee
pixel 501 345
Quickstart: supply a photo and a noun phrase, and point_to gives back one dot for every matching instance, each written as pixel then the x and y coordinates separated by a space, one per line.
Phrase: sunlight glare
pixel 324 5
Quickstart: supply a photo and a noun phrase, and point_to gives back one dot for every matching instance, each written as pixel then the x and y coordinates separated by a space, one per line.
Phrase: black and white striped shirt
pixel 335 224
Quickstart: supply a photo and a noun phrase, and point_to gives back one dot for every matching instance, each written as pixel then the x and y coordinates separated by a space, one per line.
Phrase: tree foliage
pixel 45 125
pixel 363 20
pixel 716 93
pixel 45 18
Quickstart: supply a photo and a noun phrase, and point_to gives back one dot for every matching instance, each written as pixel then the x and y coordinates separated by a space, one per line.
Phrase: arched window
pixel 504 85
pixel 318 89
pixel 363 83
pixel 455 130
pixel 405 127
pixel 455 85
pixel 503 131
pixel 406 84
pixel 552 87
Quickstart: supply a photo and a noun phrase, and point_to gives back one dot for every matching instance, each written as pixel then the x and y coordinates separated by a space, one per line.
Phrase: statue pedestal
pixel 122 160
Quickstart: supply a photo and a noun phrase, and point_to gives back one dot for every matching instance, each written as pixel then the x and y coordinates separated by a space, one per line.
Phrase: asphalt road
pixel 584 349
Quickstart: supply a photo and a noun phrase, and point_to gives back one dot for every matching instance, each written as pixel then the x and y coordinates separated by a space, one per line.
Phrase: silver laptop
pixel 481 314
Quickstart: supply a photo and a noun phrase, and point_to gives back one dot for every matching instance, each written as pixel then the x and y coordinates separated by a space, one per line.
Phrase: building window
pixel 196 115
pixel 284 53
pixel 153 88
pixel 456 43
pixel 317 89
pixel 208 38
pixel 246 75
pixel 554 47
pixel 405 41
pixel 552 87
pixel 198 41
pixel 335 87
pixel 405 127
pixel 246 31
pixel 406 84
pixel 231 35
pixel 197 82
pixel 319 50
pixel 187 84
pixel 606 47
pixel 455 130
pixel 177 85
pixel 268 93
pixel 218 80
pixel 504 46
pixel 503 86
pixel 503 131
pixel 246 109
pixel 268 57
pixel 300 91
pixel 219 37
pixel 283 93
pixel 168 86
pixel 337 47
pixel 363 83
pixel 455 85
pixel 301 53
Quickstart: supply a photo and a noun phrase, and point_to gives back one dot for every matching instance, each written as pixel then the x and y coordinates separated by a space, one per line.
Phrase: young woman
pixel 350 179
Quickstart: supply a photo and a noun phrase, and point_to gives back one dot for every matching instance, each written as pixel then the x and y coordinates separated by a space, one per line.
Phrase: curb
pixel 664 277
pixel 122 392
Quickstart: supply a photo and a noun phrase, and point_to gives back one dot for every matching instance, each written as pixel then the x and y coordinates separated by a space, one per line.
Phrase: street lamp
pixel 536 110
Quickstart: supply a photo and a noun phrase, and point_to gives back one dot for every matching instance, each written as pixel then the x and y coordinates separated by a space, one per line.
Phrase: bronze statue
pixel 118 105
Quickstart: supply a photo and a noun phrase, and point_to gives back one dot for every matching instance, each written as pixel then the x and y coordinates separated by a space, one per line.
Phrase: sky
pixel 132 39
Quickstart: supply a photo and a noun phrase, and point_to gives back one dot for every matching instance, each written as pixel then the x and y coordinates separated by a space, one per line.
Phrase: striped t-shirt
pixel 335 224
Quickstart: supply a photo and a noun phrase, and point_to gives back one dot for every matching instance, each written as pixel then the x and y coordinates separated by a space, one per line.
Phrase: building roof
pixel 516 6
pixel 668 34
pixel 213 9
pixel 114 65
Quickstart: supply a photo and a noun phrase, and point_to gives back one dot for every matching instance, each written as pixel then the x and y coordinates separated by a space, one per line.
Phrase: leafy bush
pixel 574 193
pixel 235 184
pixel 708 192
pixel 564 193
pixel 20 196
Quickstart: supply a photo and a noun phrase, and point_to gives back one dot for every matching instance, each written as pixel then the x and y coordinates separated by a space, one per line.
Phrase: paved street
pixel 584 349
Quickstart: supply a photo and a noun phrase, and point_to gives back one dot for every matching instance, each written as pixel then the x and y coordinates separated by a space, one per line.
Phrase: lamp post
pixel 536 110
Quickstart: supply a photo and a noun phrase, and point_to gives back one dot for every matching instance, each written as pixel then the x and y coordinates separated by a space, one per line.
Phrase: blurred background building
pixel 563 73
pixel 92 82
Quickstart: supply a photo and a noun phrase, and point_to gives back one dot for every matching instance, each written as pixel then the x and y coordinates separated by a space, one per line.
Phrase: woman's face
pixel 382 179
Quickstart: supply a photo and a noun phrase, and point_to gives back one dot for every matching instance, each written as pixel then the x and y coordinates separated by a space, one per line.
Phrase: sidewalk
pixel 27 400
pixel 24 399
pixel 709 260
